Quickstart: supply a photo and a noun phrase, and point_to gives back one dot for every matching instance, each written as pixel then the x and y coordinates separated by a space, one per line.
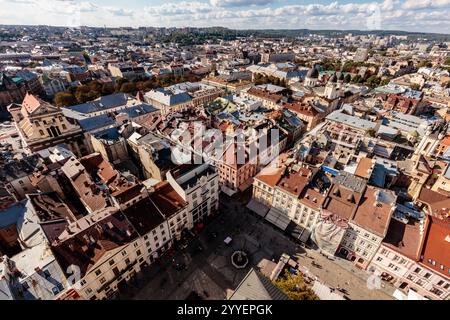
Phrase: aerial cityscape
pixel 235 150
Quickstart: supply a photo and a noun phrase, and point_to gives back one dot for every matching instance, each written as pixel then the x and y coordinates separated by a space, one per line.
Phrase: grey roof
pixel 350 181
pixel 19 168
pixel 255 286
pixel 103 103
pixel 111 134
pixel 313 73
pixel 139 110
pixel 97 122
pixel 11 215
pixel 167 97
pixel 351 121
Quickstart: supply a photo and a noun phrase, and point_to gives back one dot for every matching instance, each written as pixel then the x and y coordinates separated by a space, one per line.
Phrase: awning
pixel 278 218
pixel 258 208
pixel 298 232
pixel 229 192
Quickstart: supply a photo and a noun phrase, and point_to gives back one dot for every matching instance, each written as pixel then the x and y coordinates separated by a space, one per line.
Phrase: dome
pixel 333 78
pixel 313 73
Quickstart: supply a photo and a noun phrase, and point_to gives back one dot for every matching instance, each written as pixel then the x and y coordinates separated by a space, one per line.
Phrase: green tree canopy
pixel 294 287
pixel 64 99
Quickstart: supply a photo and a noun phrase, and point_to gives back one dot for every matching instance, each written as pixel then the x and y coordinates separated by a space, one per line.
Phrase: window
pixel 379 259
pixel 82 282
pixel 436 291
pixel 88 291
pixel 98 272
pixel 25 286
pixel 127 261
pixel 440 283
pixel 102 280
pixel 147 243
pixel 427 275
pixel 55 291
pixel 111 262
pixel 41 132
pixel 136 244
pixel 47 274
pixel 417 270
pixel 138 252
pixel 64 127
pixel 124 253
pixel 146 236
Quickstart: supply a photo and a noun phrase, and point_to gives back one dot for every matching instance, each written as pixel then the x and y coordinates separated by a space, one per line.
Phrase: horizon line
pixel 231 29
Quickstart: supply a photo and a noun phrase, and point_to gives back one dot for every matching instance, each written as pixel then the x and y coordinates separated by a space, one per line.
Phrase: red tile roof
pixel 436 249
pixel 375 210
pixel 404 238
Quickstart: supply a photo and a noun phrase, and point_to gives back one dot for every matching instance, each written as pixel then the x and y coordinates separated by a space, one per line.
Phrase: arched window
pixel 41 132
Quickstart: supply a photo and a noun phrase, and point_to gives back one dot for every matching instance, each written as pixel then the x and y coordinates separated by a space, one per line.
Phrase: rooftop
pixel 144 216
pixel 437 246
pixel 375 210
pixel 404 238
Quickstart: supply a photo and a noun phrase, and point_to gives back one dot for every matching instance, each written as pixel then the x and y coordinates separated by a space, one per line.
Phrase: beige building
pixel 110 144
pixel 368 226
pixel 42 125
pixel 198 186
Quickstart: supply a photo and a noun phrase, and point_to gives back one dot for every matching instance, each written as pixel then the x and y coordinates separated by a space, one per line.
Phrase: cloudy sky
pixel 409 15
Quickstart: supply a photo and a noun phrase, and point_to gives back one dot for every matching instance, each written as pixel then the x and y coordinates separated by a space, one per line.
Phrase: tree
pixel 107 88
pixel 373 81
pixel 357 79
pixel 347 78
pixel 128 87
pixel 415 86
pixel 64 99
pixel 425 63
pixel 294 287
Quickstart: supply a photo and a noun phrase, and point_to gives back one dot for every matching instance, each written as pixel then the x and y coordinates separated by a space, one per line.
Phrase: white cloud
pixel 240 3
pixel 256 14
pixel 180 8
pixel 425 4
